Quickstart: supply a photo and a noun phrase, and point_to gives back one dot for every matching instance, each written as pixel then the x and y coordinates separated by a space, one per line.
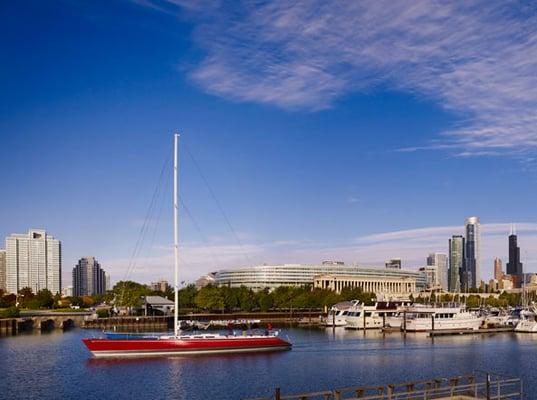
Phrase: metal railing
pixel 472 386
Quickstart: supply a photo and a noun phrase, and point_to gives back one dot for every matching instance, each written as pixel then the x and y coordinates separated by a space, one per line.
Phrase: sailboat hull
pixel 184 346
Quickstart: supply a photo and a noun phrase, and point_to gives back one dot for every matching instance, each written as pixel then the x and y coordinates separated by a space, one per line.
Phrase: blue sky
pixel 358 132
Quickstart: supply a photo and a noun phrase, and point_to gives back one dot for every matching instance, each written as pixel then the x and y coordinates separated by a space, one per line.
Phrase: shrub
pixel 103 313
pixel 11 312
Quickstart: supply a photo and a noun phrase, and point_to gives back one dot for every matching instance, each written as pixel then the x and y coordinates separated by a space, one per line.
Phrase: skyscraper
pixel 88 278
pixel 514 266
pixel 439 260
pixel 498 273
pixel 471 269
pixel 2 270
pixel 33 260
pixel 456 262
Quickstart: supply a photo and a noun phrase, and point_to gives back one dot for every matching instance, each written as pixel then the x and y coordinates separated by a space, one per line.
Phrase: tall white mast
pixel 176 232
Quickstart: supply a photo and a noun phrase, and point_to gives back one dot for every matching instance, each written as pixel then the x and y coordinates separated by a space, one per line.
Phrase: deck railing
pixel 471 386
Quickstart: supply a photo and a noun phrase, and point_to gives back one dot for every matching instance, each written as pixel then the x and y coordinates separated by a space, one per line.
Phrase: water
pixel 57 365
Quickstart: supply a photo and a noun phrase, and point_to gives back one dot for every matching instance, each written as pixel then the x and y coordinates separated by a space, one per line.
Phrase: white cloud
pixel 411 245
pixel 477 59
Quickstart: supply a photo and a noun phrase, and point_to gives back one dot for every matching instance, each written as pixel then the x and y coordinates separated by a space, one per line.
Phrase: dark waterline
pixel 57 365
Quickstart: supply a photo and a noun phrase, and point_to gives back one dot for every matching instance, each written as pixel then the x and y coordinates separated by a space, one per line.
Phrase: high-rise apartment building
pixel 33 260
pixel 456 262
pixel 88 278
pixel 498 273
pixel 162 285
pixel 471 269
pixel 514 266
pixel 2 270
pixel 431 276
pixel 440 261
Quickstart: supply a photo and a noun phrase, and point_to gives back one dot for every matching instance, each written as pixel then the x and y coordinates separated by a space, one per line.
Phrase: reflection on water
pixel 56 364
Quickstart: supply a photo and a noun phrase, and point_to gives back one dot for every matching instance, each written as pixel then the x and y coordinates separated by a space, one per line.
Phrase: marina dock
pixel 447 332
pixel 464 387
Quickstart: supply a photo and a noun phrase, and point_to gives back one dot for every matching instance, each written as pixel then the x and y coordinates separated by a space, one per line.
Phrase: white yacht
pixel 445 316
pixel 337 314
pixel 496 317
pixel 360 316
pixel 528 321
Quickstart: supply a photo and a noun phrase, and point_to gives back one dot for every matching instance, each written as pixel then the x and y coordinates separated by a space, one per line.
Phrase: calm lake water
pixel 57 365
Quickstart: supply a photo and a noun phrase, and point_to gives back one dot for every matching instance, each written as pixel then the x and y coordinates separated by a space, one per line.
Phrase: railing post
pixel 337 395
pixel 277 395
pixel 488 386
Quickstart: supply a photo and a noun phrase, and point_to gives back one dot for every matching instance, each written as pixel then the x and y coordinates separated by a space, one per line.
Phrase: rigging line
pixel 219 205
pixel 159 214
pixel 143 230
pixel 198 229
pixel 152 212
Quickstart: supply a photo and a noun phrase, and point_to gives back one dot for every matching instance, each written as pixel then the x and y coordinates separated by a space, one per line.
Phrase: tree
pixel 210 298
pixel 230 296
pixel 357 294
pixel 473 301
pixel 186 296
pixel 77 301
pixel 11 312
pixel 8 300
pixel 247 299
pixel 129 294
pixel 265 300
pixel 87 301
pixel 25 296
pixel 44 299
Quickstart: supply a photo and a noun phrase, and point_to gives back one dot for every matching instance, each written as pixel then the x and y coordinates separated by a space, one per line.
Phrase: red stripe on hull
pixel 114 347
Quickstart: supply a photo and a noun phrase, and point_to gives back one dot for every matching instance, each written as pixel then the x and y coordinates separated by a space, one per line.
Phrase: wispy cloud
pixel 411 245
pixel 477 59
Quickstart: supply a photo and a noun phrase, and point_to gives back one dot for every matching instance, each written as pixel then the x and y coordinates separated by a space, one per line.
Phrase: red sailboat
pixel 178 344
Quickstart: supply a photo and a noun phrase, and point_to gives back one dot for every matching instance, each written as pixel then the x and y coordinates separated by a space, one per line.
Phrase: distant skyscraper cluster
pixel 464 258
pixel 34 260
pixel 89 278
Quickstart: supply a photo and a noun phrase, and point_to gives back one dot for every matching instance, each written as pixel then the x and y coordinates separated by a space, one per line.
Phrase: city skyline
pixel 326 152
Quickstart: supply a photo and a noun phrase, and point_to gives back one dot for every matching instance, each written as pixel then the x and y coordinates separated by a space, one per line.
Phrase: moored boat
pixel 185 345
pixel 337 314
pixel 180 344
pixel 439 317
pixel 528 321
pixel 379 315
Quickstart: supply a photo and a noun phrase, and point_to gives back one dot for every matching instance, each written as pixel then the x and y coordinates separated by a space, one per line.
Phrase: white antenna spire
pixel 176 233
